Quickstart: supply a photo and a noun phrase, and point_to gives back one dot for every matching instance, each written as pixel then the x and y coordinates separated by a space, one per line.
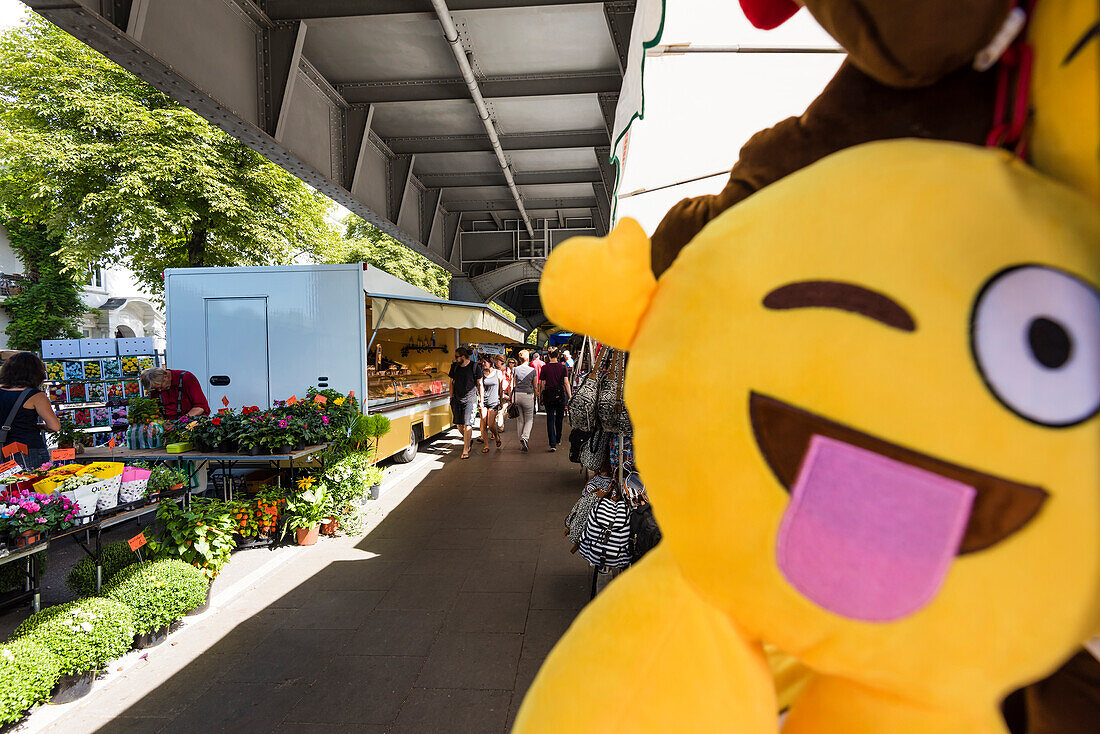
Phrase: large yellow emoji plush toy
pixel 893 471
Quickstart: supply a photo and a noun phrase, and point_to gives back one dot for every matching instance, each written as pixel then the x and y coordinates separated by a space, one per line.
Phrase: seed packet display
pixel 130 366
pixel 118 415
pixel 55 371
pixel 82 417
pixel 101 438
pixel 58 393
pixel 132 388
pixel 101 417
pixel 110 368
pixel 92 370
pixel 145 363
pixel 77 393
pixel 116 391
pixel 74 370
pixel 96 392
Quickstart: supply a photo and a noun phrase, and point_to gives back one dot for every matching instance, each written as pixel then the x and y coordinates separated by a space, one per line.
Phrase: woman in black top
pixel 21 379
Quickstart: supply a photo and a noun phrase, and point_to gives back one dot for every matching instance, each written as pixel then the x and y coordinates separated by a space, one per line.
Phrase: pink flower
pixel 324 419
pixel 41 521
pixel 282 424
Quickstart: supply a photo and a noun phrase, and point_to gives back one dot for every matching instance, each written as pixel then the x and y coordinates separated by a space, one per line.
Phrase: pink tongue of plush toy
pixel 868 537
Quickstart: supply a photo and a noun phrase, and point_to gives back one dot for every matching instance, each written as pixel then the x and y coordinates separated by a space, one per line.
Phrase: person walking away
pixel 489 387
pixel 523 395
pixel 22 403
pixel 505 390
pixel 538 364
pixel 554 394
pixel 464 396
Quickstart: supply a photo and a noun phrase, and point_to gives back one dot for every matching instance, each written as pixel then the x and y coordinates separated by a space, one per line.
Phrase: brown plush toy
pixel 908 74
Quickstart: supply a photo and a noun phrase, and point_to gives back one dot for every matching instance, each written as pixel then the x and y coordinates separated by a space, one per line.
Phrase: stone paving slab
pixel 436 620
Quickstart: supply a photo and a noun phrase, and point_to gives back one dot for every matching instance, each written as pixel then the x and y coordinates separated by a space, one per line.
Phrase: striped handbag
pixel 605 542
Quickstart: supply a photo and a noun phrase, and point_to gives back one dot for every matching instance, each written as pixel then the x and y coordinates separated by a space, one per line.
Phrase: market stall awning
pixel 476 321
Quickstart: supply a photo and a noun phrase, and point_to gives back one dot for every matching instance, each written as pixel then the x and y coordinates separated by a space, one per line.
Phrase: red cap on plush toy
pixel 768 14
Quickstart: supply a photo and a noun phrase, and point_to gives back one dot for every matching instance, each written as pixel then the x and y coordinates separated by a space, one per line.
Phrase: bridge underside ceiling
pixel 364 100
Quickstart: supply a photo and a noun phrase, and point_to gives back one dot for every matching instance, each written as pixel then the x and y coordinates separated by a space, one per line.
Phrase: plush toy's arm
pixel 852 109
pixel 650 656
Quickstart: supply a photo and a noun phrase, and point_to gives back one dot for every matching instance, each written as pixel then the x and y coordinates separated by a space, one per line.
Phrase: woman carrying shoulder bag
pixel 22 403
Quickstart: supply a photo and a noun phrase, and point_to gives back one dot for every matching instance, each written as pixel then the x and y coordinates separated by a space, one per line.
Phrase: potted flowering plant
pixel 29 515
pixel 305 511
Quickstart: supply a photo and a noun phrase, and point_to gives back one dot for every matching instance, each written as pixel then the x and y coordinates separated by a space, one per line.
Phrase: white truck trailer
pixel 257 334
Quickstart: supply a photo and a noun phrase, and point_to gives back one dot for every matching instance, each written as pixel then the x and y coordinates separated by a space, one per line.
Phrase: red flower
pixel 216 421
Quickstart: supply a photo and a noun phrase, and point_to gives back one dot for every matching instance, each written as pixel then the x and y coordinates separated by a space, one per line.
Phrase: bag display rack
pixel 612 524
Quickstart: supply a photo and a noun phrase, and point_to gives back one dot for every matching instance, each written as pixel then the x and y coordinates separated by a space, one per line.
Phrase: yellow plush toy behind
pixel 896 467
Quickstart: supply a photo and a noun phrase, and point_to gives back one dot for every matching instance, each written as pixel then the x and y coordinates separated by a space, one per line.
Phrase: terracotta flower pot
pixel 27 537
pixel 306 536
pixel 330 526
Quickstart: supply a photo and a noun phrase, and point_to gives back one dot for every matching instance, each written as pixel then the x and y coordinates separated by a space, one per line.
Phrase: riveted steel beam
pixel 503 205
pixel 494 178
pixel 309 9
pixel 526 85
pixel 515 141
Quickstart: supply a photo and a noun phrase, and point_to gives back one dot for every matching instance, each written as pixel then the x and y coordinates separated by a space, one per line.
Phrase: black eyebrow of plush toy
pixel 842 296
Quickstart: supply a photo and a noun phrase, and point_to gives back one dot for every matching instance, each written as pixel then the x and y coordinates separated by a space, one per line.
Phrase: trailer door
pixel 236 352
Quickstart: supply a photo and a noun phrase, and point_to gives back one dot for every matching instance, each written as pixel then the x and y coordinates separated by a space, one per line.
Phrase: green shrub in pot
pixel 28 672
pixel 115 556
pixel 84 634
pixel 200 535
pixel 159 592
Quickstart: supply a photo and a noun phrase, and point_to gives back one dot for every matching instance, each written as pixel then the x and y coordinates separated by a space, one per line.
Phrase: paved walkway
pixel 436 621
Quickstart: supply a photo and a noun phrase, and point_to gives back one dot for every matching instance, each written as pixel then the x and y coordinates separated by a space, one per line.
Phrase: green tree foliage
pixel 116 170
pixel 363 242
pixel 49 306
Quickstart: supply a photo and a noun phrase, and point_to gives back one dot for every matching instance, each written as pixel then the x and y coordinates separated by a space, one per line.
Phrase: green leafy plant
pixel 365 433
pixel 159 592
pixel 347 482
pixel 306 509
pixel 120 172
pixel 201 535
pixel 163 478
pixel 68 436
pixel 83 634
pixel 28 672
pixel 48 304
pixel 115 557
pixel 142 411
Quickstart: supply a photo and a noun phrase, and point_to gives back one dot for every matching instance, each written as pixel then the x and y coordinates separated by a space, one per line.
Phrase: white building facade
pixel 117 306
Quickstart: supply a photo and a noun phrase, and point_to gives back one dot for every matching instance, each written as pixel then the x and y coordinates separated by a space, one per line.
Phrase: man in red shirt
pixel 178 391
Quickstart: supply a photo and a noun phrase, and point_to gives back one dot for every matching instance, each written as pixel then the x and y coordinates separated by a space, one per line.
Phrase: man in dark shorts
pixel 464 396
pixel 554 393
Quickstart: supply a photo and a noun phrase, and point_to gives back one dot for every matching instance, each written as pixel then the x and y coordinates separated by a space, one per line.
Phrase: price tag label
pixel 351 394
pixel 223 411
pixel 320 399
pixel 14 448
pixel 8 468
pixel 63 454
pixel 225 401
pixel 269 510
pixel 292 400
pixel 111 442
pixel 137 541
